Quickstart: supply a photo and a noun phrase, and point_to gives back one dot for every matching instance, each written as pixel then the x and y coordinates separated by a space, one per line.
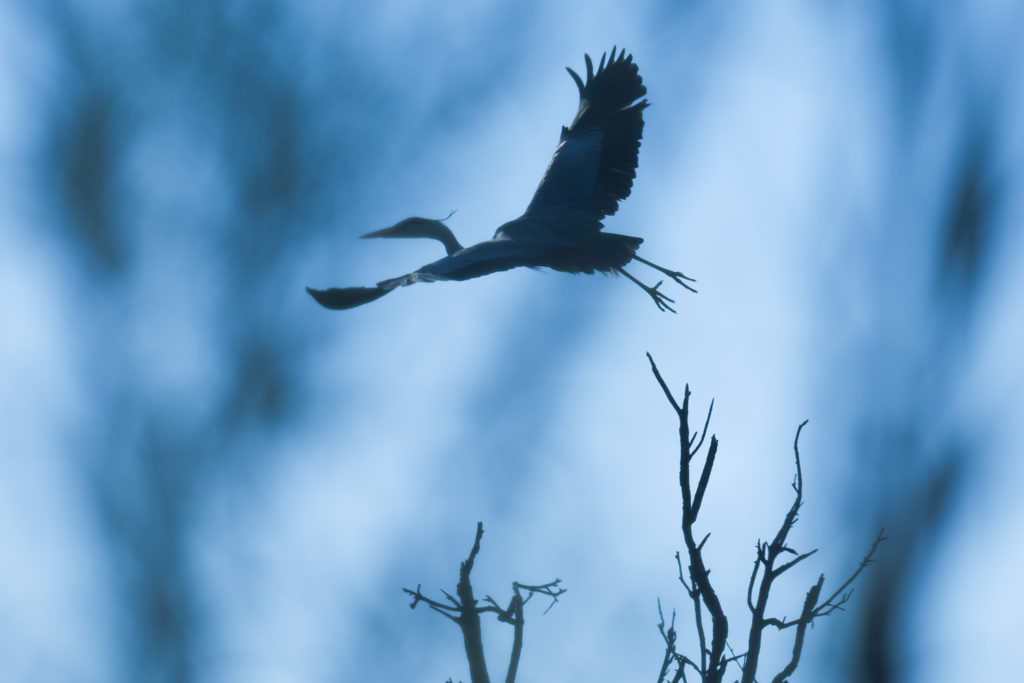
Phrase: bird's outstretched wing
pixel 595 162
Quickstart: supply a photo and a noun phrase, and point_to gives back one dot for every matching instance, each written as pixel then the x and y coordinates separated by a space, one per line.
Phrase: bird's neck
pixel 448 239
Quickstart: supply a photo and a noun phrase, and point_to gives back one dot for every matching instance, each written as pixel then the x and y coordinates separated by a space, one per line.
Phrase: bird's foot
pixel 660 300
pixel 676 276
pixel 683 280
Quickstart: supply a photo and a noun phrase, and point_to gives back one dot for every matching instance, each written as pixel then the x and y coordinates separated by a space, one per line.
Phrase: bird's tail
pixel 338 299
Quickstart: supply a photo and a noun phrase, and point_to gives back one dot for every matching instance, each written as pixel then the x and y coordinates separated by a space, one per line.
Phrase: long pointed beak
pixel 386 232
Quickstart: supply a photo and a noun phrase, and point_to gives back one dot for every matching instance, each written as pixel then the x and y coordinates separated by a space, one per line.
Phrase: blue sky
pixel 785 165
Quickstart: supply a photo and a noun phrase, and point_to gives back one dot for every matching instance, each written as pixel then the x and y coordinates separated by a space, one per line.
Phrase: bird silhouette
pixel 591 172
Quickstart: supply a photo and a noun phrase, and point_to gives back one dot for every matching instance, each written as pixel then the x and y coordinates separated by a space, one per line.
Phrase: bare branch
pixel 699 620
pixel 700 546
pixel 469 617
pixel 552 589
pixel 465 610
pixel 830 602
pixel 679 565
pixel 705 476
pixel 767 554
pixel 439 607
pixel 669 636
pixel 753 579
pixel 806 617
pixel 664 387
pixel 516 619
pixel 789 565
pixel 766 569
pixel 713 664
pixel 704 431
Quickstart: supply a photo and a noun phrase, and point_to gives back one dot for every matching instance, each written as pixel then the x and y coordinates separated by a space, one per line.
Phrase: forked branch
pixel 766 566
pixel 713 661
pixel 465 611
pixel 772 560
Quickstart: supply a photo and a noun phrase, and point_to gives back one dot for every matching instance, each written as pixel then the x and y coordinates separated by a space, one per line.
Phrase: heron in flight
pixel 592 171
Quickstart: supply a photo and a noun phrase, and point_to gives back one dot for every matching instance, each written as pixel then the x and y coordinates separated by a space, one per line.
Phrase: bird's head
pixel 410 227
pixel 421 227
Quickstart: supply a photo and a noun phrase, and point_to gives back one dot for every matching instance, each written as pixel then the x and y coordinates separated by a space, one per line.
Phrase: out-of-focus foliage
pixel 187 156
pixel 939 243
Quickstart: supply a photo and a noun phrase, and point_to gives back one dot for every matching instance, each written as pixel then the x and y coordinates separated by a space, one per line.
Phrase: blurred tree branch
pixel 184 159
pixel 943 271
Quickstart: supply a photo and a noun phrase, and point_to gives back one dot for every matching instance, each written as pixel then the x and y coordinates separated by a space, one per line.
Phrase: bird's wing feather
pixel 596 159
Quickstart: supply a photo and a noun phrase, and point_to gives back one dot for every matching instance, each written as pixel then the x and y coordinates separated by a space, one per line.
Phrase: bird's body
pixel 592 170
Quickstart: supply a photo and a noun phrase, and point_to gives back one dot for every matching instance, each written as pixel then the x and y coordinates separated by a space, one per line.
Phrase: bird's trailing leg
pixel 660 300
pixel 674 274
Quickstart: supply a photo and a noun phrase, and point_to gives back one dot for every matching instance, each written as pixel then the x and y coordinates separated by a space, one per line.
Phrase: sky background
pixel 206 476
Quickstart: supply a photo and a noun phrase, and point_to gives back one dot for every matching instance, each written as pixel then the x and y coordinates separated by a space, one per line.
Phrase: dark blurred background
pixel 206 477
